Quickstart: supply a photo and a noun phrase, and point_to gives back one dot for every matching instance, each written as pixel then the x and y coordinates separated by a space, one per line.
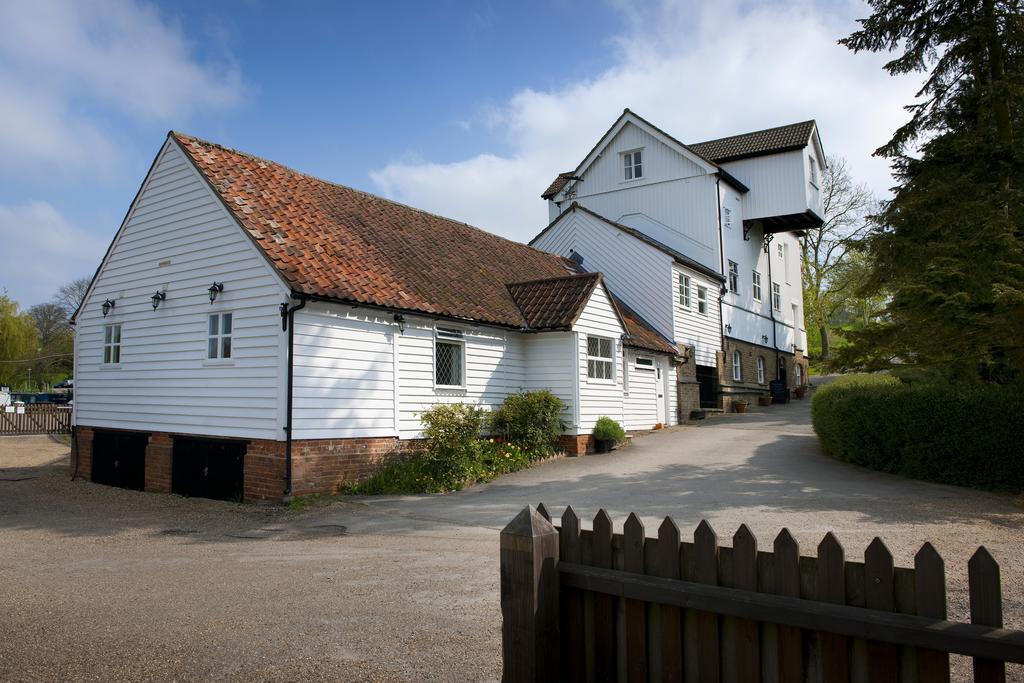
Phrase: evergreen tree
pixel 948 249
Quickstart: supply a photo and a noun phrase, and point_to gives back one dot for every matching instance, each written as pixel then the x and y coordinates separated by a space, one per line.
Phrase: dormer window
pixel 814 171
pixel 633 163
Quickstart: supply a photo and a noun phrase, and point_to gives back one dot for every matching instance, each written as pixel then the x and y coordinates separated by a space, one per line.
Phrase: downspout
pixel 771 305
pixel 721 263
pixel 288 321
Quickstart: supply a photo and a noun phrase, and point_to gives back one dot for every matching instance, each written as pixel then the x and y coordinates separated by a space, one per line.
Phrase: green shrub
pixel 531 419
pixel 453 441
pixel 969 435
pixel 607 429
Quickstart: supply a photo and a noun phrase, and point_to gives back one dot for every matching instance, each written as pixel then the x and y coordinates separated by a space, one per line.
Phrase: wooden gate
pixel 586 605
pixel 35 419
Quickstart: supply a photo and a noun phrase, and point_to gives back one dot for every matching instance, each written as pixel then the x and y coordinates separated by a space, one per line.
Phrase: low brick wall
pixel 319 466
pixel 576 445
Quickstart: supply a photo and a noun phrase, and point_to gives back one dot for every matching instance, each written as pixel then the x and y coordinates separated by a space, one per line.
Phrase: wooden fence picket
pixel 629 607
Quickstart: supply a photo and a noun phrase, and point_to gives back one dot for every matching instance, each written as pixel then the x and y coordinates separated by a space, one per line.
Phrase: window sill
pixel 110 366
pixel 218 362
pixel 449 389
pixel 594 380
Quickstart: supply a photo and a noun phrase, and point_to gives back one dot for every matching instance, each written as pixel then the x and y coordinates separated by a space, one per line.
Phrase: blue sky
pixel 466 109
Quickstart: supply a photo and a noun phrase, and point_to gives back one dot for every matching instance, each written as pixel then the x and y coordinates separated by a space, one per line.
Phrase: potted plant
pixel 764 400
pixel 607 432
pixel 740 406
pixel 801 391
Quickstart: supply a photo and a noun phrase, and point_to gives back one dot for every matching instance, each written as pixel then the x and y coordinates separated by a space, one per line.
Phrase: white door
pixel 660 393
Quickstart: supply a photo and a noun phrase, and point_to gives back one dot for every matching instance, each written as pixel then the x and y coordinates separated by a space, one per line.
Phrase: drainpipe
pixel 771 305
pixel 724 288
pixel 288 322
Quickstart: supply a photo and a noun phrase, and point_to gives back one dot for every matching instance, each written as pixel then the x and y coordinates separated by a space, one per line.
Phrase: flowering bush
pixel 532 419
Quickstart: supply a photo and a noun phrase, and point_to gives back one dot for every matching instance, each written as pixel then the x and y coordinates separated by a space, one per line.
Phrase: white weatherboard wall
pixel 343 383
pixel 550 362
pixel 179 237
pixel 777 182
pixel 598 397
pixel 633 269
pixel 702 331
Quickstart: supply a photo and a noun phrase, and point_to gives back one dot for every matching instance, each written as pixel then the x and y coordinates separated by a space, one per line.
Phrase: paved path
pixel 98 583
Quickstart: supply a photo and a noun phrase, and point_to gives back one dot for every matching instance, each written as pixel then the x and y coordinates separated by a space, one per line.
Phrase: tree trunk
pixel 823 330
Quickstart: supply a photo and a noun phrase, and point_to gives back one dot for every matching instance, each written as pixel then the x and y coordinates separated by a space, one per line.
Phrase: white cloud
pixel 67 66
pixel 697 71
pixel 42 251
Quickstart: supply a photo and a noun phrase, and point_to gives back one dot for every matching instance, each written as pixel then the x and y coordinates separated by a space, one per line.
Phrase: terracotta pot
pixel 740 406
pixel 801 392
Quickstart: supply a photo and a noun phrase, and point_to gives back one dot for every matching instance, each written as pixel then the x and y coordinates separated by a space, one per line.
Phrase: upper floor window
pixel 813 171
pixel 111 344
pixel 756 285
pixel 633 162
pixel 218 343
pixel 727 216
pixel 776 296
pixel 760 369
pixel 449 358
pixel 781 249
pixel 737 366
pixel 600 358
pixel 734 277
pixel 684 290
pixel 702 300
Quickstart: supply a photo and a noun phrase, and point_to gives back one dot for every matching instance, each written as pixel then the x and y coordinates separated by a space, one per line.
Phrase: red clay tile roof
pixel 554 304
pixel 757 143
pixel 639 334
pixel 341 244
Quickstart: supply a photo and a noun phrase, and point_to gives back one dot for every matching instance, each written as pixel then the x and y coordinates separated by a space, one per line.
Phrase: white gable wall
pixel 179 237
pixel 598 397
pixel 702 331
pixel 633 269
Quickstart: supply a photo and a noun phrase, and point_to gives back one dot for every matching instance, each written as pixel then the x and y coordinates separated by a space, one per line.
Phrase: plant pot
pixel 764 400
pixel 801 392
pixel 740 406
pixel 603 445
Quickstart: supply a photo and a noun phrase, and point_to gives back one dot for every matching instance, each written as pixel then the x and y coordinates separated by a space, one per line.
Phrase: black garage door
pixel 119 459
pixel 208 468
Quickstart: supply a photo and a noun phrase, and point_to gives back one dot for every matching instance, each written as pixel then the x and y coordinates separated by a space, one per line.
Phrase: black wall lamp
pixel 107 306
pixel 764 338
pixel 400 321
pixel 215 289
pixel 160 295
pixel 728 328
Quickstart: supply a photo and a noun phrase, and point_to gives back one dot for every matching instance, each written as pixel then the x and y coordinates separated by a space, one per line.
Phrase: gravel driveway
pixel 100 583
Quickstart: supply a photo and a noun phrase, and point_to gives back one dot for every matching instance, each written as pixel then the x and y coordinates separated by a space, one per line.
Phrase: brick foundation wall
pixel 83 446
pixel 324 465
pixel 575 445
pixel 687 388
pixel 158 462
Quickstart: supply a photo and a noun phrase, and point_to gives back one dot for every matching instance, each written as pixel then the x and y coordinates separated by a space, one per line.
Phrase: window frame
pixel 220 338
pixel 755 284
pixel 761 372
pixel 630 165
pixel 737 366
pixel 650 365
pixel 112 343
pixel 777 296
pixel 727 217
pixel 813 176
pixel 608 360
pixel 734 277
pixel 450 336
pixel 702 299
pixel 685 287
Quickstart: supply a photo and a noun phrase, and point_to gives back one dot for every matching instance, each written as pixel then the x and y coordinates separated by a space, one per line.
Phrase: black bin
pixel 779 392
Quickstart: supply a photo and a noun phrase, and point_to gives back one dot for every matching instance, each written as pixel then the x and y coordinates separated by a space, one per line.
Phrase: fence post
pixel 529 599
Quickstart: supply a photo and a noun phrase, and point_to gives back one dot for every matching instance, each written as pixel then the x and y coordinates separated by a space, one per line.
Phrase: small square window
pixel 111 344
pixel 600 359
pixel 633 164
pixel 684 290
pixel 218 336
pixel 776 296
pixel 449 352
pixel 756 285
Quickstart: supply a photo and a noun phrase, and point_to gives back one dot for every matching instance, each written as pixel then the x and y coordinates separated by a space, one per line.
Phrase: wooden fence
pixel 594 605
pixel 35 419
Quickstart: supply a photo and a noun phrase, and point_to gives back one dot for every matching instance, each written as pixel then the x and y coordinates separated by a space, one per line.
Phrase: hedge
pixel 968 435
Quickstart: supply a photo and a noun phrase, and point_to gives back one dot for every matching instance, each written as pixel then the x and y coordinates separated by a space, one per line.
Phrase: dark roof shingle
pixel 757 143
pixel 557 184
pixel 554 304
